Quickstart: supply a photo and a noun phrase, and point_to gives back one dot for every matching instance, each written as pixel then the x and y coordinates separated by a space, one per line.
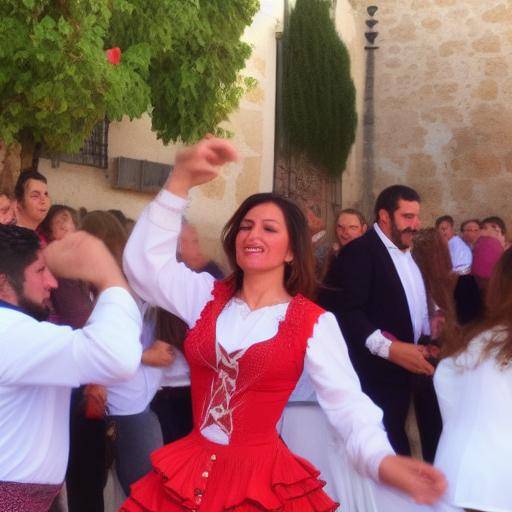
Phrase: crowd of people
pixel 306 362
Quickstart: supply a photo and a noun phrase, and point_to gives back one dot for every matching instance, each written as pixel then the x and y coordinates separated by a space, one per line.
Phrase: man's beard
pixel 396 235
pixel 38 311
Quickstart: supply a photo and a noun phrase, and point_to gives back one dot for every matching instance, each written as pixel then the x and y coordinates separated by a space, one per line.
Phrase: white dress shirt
pixel 151 266
pixel 414 287
pixel 39 364
pixel 475 448
pixel 460 254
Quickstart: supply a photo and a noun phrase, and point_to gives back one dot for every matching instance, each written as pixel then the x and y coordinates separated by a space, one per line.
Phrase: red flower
pixel 114 55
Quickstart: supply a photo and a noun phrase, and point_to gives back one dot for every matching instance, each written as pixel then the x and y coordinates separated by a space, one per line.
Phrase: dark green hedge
pixel 319 113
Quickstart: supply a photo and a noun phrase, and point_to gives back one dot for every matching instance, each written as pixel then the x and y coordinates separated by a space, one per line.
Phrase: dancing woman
pixel 251 337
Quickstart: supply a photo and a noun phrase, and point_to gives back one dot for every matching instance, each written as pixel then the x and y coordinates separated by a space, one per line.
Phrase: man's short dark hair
pixel 357 213
pixel 18 249
pixel 469 221
pixel 389 197
pixel 28 174
pixel 445 218
pixel 494 219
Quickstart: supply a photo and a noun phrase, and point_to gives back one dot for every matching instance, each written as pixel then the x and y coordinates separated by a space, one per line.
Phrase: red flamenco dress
pixel 243 394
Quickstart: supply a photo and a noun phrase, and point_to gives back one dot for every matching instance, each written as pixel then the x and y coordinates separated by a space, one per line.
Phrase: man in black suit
pixel 381 306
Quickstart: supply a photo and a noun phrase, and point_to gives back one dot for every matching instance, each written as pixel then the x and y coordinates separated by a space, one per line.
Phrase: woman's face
pixel 61 225
pixel 262 243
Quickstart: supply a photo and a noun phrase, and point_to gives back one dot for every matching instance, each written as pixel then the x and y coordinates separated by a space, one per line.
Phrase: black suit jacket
pixel 365 293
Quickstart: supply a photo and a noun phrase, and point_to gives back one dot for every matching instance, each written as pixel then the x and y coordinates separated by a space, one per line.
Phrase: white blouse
pixel 475 448
pixel 154 273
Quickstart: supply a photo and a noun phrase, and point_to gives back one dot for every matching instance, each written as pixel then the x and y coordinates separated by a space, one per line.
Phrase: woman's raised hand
pixel 199 164
pixel 421 481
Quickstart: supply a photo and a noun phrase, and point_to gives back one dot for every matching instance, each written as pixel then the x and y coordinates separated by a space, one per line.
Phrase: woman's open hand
pixel 421 481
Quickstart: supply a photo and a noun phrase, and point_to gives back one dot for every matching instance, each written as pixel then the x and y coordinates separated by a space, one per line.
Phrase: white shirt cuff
pixel 166 210
pixel 378 344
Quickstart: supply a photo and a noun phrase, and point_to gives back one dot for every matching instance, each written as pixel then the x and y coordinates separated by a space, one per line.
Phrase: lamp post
pixel 369 113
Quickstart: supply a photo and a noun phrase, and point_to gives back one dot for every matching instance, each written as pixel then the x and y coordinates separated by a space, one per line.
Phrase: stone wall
pixel 442 104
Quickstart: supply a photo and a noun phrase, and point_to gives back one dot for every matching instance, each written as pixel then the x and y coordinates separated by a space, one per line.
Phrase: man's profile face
pixel 403 224
pixel 6 210
pixel 37 285
pixel 36 201
pixel 446 230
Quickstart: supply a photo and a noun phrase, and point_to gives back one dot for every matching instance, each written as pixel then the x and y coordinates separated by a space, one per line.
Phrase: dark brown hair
pixel 299 275
pixel 46 225
pixel 431 254
pixel 469 221
pixel 107 228
pixel 27 174
pixel 170 328
pixel 352 211
pixel 445 218
pixel 498 314
pixel 388 199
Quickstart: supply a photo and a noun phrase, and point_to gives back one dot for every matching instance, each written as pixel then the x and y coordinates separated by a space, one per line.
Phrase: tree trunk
pixel 30 151
pixel 10 166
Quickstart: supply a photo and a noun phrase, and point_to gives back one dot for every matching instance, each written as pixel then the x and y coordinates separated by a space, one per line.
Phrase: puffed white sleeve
pixel 355 418
pixel 150 263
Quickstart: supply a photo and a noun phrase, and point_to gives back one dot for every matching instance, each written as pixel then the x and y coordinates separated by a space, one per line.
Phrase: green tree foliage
pixel 180 63
pixel 320 118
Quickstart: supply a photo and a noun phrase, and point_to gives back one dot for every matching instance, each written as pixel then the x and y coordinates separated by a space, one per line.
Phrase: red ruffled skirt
pixel 196 474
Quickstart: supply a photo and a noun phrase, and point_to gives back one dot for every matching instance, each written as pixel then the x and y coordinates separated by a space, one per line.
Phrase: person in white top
pixel 262 249
pixel 460 252
pixel 474 386
pixel 41 362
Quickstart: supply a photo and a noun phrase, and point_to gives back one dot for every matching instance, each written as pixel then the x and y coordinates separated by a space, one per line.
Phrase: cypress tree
pixel 319 114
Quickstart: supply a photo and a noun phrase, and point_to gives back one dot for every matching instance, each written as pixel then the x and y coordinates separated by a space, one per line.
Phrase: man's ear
pixel 6 290
pixel 384 216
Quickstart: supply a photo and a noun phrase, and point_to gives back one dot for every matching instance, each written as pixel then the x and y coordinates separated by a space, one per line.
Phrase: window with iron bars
pixel 94 152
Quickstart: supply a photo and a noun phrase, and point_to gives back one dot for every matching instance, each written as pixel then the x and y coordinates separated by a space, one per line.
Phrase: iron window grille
pixel 94 152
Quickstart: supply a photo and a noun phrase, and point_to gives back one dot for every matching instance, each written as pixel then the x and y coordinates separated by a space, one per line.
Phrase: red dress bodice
pixel 245 392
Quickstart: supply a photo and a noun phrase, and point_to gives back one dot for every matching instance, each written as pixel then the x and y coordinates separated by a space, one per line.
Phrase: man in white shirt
pixel 460 252
pixel 41 362
pixel 382 310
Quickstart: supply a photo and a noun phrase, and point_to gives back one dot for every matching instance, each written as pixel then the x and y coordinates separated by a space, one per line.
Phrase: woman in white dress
pixel 474 387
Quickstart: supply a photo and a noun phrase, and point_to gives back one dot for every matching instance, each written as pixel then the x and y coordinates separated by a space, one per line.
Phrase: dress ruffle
pixel 195 474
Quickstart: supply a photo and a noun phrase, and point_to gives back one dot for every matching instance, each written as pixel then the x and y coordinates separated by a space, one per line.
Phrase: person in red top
pixel 251 337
